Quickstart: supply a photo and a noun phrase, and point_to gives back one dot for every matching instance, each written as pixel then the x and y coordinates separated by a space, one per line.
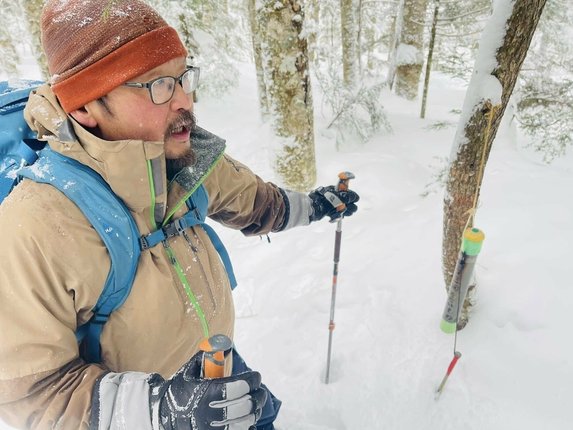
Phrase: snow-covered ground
pixel 389 354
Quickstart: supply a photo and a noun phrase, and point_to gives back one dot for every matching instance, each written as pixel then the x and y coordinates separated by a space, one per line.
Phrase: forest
pixel 365 84
pixel 514 56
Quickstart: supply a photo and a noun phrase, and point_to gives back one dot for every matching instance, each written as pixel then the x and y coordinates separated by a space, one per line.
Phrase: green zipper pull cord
pixel 152 193
pixel 188 291
pixel 171 254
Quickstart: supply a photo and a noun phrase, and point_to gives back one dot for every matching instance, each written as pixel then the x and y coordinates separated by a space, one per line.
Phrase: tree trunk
pixel 392 55
pixel 410 57
pixel 287 77
pixel 258 57
pixel 367 42
pixel 312 14
pixel 349 43
pixel 429 60
pixel 496 64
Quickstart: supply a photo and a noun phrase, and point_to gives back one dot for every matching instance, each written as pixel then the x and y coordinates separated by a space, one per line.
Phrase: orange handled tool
pixel 215 350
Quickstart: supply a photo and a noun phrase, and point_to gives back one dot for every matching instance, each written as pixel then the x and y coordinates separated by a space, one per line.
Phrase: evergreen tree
pixel 214 34
pixel 545 98
pixel 356 111
pixel 458 31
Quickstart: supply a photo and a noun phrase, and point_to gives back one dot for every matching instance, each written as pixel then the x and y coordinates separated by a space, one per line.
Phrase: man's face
pixel 129 113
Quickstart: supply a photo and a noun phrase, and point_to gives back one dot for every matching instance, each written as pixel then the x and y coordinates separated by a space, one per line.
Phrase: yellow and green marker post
pixel 471 247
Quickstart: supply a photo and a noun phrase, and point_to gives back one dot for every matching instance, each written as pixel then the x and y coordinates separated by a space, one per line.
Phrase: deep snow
pixel 388 352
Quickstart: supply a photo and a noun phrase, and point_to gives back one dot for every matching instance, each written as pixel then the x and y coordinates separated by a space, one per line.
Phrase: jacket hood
pixel 134 169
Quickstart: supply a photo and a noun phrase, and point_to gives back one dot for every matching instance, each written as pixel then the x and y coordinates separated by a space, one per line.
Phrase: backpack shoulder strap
pixel 197 205
pixel 114 224
pixel 17 146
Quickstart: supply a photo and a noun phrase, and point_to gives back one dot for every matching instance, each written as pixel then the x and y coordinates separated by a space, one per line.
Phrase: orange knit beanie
pixel 93 46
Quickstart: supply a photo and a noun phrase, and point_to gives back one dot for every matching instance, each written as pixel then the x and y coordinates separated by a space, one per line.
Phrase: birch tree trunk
pixel 287 78
pixel 410 56
pixel 495 74
pixel 258 57
pixel 349 29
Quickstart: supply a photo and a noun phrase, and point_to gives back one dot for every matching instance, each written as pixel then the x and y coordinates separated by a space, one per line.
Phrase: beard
pixel 188 158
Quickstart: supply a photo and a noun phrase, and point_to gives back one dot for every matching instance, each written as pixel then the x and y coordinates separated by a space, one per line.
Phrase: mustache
pixel 186 119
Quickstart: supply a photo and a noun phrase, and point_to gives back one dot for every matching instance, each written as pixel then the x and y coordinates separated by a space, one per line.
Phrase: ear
pixel 84 117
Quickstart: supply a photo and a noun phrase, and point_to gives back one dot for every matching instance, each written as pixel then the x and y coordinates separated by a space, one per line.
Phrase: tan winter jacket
pixel 54 266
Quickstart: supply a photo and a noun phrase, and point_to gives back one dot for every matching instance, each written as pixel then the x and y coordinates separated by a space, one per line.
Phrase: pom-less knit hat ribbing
pixel 93 46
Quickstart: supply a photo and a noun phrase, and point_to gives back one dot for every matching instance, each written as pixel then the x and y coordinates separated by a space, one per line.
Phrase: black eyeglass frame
pixel 178 80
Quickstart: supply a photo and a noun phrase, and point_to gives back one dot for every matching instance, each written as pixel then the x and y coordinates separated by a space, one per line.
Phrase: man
pixel 120 102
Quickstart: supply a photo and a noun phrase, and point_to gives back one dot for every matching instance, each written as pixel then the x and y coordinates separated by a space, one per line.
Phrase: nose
pixel 180 100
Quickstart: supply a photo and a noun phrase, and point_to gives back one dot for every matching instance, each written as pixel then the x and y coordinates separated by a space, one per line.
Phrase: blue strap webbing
pixel 198 206
pixel 196 215
pixel 218 244
pixel 27 154
pixel 104 210
pixel 113 222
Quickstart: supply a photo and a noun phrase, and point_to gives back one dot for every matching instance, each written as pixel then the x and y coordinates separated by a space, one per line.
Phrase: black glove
pixel 329 201
pixel 189 402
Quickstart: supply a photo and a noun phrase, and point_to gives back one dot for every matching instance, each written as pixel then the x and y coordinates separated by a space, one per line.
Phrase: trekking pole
pixel 215 350
pixel 343 181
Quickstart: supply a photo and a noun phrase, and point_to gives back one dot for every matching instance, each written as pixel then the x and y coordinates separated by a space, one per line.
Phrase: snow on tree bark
pixel 349 29
pixel 503 48
pixel 409 55
pixel 285 63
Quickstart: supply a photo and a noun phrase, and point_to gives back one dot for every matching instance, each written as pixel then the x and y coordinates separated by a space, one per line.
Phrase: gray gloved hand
pixel 189 402
pixel 329 201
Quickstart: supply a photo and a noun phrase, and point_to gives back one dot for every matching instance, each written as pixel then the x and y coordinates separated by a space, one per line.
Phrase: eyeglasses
pixel 162 89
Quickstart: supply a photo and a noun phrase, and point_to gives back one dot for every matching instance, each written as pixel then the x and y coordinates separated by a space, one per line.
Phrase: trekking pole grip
pixel 215 350
pixel 344 180
pixel 343 184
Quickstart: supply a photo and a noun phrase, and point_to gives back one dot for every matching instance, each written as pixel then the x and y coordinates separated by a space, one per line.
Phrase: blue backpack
pixel 19 150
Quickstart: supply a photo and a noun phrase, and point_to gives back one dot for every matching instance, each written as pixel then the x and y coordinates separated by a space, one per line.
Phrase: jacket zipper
pixel 187 288
pixel 152 193
pixel 196 255
pixel 171 255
